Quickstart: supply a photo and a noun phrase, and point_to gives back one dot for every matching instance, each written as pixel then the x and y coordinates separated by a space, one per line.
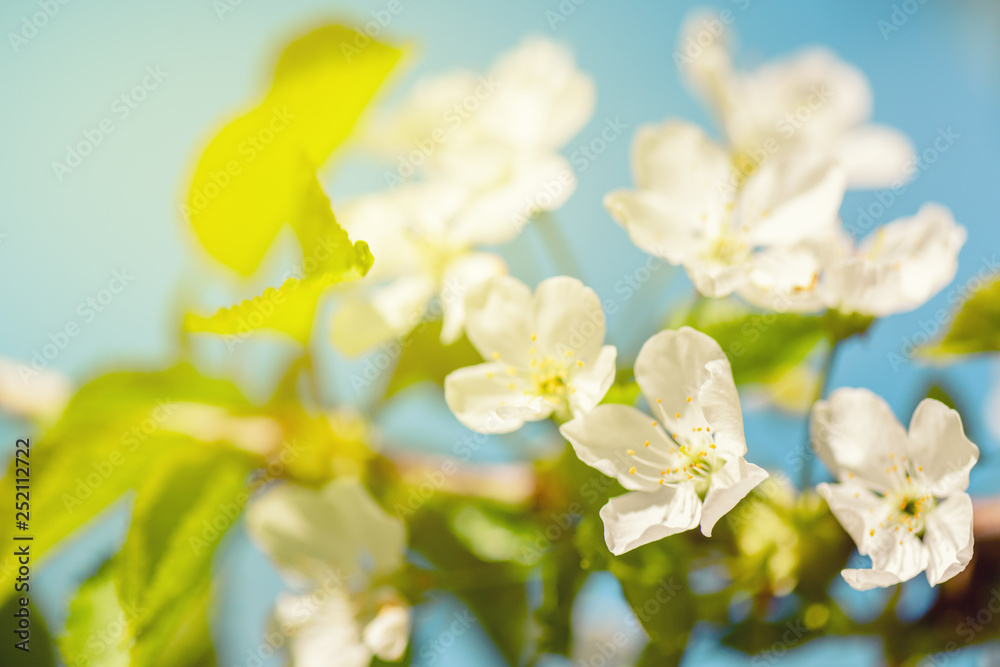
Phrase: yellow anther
pixel 490 375
pixel 495 355
pixel 655 424
pixel 712 446
pixel 631 470
pixel 569 353
pixel 580 364
pixel 871 532
pixel 646 444
pixel 677 415
pixel 659 400
pixel 688 399
pixel 631 452
pixel 534 337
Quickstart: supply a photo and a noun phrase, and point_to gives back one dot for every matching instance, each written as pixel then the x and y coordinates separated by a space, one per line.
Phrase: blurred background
pixel 165 76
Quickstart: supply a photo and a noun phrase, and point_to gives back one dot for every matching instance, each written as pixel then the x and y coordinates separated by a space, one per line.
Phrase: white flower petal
pixel 568 320
pixel 638 518
pixel 339 528
pixel 653 225
pixel 728 487
pixel 938 444
pixel 949 538
pixel 592 381
pixel 325 632
pixel 542 99
pixel 603 437
pixel 388 633
pixel 904 556
pixel 858 510
pixel 488 399
pixel 853 432
pixel 902 265
pixel 497 320
pixel 875 156
pixel 792 197
pixel 461 276
pixel 671 367
pixel 720 403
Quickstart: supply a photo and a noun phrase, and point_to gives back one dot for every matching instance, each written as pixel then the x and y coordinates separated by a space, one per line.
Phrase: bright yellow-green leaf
pixel 329 257
pixel 257 174
pixel 976 327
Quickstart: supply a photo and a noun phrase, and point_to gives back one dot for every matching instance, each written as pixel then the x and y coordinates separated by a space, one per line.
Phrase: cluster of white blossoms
pixel 336 546
pixel 755 216
pixel 480 158
pixel 758 214
pixel 684 466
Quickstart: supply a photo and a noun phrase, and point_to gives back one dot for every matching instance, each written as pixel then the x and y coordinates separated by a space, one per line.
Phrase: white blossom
pixel 900 495
pixel 685 465
pixel 545 355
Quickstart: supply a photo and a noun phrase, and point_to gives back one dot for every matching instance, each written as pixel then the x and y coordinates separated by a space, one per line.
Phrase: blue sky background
pixel 118 209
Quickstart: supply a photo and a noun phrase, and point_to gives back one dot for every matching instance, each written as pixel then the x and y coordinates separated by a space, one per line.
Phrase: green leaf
pixel 97 630
pixel 761 346
pixel 330 258
pixel 259 172
pixel 111 434
pixel 425 359
pixel 976 327
pixel 181 514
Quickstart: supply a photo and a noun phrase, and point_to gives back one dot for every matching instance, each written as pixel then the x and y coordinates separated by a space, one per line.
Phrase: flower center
pixel 727 249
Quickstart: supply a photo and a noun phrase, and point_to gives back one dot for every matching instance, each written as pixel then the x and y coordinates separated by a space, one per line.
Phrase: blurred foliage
pixel 976 327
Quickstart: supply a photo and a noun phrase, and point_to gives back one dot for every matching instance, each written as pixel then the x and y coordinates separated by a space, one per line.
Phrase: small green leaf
pixel 976 327
pixel 761 346
pixel 98 628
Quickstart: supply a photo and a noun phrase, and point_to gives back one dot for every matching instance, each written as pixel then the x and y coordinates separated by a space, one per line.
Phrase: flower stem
pixel 557 245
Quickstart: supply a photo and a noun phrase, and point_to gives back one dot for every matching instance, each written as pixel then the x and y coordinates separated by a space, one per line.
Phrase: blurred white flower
pixel 686 466
pixel 329 630
pixel 496 136
pixel 339 528
pixel 211 423
pixel 901 496
pixel 31 394
pixel 694 208
pixel 897 269
pixel 546 355
pixel 809 100
pixel 337 543
pixel 425 249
